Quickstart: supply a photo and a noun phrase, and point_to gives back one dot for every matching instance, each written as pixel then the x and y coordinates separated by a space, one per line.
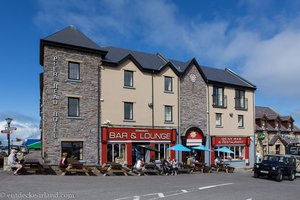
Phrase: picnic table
pixel 185 168
pixel 34 165
pixel 225 167
pixel 111 169
pixel 151 169
pixel 77 168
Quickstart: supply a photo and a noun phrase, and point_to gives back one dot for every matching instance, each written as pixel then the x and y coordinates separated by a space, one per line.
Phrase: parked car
pixel 21 148
pixel 4 149
pixel 276 166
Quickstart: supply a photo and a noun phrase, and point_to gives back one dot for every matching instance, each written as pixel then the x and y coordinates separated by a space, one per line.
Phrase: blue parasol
pixel 202 147
pixel 224 149
pixel 179 147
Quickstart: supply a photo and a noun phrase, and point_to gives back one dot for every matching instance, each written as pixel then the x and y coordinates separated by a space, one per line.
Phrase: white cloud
pixel 27 127
pixel 264 49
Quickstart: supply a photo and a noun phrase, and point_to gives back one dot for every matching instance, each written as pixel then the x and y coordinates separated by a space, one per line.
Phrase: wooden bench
pixel 34 165
pixel 76 168
pixel 114 169
pixel 225 168
pixel 184 168
pixel 150 169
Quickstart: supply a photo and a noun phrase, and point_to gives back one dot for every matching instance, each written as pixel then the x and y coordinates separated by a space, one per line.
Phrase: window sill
pixel 240 108
pixel 128 87
pixel 78 118
pixel 241 127
pixel 169 92
pixel 74 80
pixel 223 107
pixel 219 126
pixel 169 122
pixel 128 120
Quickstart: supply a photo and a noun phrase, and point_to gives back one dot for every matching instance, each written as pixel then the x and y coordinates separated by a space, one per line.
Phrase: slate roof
pixel 225 76
pixel 269 112
pixel 72 38
pixel 284 139
pixel 146 60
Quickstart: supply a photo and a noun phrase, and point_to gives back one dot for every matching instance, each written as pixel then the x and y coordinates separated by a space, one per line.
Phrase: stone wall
pixel 56 125
pixel 193 102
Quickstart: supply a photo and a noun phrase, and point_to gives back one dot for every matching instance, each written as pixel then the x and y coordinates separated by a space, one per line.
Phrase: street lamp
pixel 8 121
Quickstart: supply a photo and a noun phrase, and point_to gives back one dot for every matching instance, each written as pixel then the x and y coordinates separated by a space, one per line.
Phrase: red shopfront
pixel 122 143
pixel 239 145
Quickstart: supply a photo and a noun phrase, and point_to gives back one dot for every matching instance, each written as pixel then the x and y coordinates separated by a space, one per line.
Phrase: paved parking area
pixel 239 185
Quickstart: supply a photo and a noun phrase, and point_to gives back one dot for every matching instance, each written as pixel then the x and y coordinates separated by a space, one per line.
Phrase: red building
pixel 124 143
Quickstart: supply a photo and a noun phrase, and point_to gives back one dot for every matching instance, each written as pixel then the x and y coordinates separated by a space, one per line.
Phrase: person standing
pixel 13 161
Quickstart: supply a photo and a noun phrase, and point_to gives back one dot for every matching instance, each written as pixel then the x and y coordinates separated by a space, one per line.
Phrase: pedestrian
pixel 13 161
pixel 174 166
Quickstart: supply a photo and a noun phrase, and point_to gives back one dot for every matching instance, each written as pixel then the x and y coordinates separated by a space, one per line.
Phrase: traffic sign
pixel 4 131
pixel 12 128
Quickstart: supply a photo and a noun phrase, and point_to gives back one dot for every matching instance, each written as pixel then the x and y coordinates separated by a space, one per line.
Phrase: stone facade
pixel 56 88
pixel 193 102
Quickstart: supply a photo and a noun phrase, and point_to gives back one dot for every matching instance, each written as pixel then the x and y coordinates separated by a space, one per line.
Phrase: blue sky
pixel 260 40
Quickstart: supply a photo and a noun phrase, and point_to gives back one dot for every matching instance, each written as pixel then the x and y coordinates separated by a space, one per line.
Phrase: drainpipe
pixel 254 126
pixel 152 100
pixel 178 114
pixel 98 117
pixel 208 125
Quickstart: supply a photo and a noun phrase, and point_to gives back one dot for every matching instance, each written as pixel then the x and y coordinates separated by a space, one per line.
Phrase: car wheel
pixel 256 175
pixel 292 176
pixel 279 177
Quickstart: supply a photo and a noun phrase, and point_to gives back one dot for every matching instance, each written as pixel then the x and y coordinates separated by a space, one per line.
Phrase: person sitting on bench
pixel 13 161
pixel 63 163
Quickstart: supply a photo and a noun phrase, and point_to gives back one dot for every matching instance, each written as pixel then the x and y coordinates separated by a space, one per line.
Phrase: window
pixel 240 100
pixel 128 78
pixel 168 84
pixel 241 121
pixel 74 149
pixel 219 119
pixel 74 71
pixel 163 151
pixel 218 97
pixel 168 114
pixel 116 152
pixel 73 107
pixel 239 153
pixel 128 111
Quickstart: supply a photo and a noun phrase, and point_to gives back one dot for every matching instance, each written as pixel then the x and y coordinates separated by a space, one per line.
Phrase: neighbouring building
pixel 274 133
pixel 231 115
pixel 103 103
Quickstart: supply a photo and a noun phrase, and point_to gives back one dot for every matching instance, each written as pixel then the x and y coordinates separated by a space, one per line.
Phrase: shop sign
pixel 261 136
pixel 294 150
pixel 55 97
pixel 194 138
pixel 139 134
pixel 230 140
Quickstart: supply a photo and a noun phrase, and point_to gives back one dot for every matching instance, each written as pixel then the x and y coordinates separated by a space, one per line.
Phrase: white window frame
pixel 130 114
pixel 218 121
pixel 168 84
pixel 128 78
pixel 168 113
pixel 241 121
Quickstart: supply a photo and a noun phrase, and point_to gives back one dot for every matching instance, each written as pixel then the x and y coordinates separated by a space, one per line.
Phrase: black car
pixel 276 166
